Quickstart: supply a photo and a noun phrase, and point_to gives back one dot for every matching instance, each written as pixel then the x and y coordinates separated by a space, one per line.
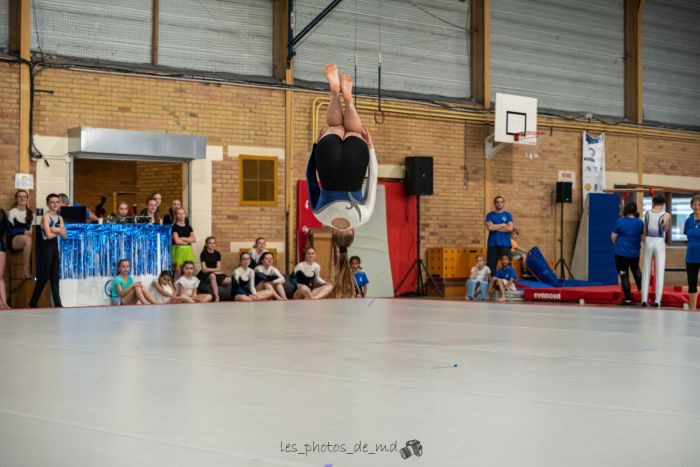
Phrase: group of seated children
pixel 255 278
pixel 480 280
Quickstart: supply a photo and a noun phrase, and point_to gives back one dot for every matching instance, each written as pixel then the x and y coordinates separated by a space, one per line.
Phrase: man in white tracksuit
pixel 657 224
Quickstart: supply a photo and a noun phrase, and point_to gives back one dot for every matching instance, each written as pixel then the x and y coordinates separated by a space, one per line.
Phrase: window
pixel 258 181
pixel 678 204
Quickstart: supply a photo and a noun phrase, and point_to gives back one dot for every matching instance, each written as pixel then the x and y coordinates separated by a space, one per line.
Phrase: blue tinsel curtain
pixel 94 249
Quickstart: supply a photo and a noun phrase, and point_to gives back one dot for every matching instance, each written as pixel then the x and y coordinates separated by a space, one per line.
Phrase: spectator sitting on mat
pixel 504 279
pixel 478 279
pixel 4 230
pixel 165 292
pixel 211 270
pixel 517 252
pixel 243 287
pixel 21 219
pixel 267 277
pixel 187 284
pixel 126 291
pixel 310 285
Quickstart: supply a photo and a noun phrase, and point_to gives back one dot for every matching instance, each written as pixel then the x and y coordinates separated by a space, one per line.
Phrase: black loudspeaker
pixel 419 175
pixel 564 192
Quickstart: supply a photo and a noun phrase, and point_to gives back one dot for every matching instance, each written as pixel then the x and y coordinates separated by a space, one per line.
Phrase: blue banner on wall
pixel 93 250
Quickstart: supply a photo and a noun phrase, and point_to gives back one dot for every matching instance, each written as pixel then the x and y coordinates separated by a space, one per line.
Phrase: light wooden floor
pixel 234 384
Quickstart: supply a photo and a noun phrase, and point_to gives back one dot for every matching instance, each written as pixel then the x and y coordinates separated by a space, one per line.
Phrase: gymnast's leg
pixel 334 115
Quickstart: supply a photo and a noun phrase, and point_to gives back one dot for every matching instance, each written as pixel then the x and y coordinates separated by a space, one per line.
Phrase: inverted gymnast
pixel 335 174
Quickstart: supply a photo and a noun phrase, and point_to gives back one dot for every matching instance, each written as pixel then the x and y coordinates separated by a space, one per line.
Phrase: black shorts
pixel 204 277
pixel 341 164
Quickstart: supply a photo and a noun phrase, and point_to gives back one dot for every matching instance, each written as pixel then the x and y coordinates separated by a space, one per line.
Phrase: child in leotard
pixel 308 277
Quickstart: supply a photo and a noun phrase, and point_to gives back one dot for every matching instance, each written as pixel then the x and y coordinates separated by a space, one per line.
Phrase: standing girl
pixel 359 276
pixel 49 261
pixel 183 238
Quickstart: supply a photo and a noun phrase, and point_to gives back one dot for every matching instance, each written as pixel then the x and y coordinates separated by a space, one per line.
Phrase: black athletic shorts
pixel 341 165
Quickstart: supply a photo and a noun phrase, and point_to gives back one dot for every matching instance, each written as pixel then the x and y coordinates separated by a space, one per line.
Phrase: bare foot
pixel 27 274
pixel 346 86
pixel 332 77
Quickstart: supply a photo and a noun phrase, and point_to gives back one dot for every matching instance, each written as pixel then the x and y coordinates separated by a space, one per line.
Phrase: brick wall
pixel 252 116
pixel 93 179
pixel 163 177
pixel 9 132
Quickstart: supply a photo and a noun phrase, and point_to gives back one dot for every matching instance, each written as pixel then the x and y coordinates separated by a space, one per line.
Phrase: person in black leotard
pixel 243 287
pixel 21 218
pixel 335 174
pixel 4 229
pixel 211 271
pixel 52 227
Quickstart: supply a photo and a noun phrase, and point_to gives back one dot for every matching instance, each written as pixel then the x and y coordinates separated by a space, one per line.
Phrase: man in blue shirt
pixel 504 279
pixel 500 224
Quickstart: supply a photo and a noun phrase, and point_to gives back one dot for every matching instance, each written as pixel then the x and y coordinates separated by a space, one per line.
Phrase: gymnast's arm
pixel 373 174
pixel 312 180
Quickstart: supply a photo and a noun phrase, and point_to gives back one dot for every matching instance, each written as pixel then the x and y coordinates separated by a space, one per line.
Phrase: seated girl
pixel 308 276
pixel 267 277
pixel 243 288
pixel 211 270
pixel 183 238
pixel 187 285
pixel 504 279
pixel 165 293
pixel 20 218
pixel 4 228
pixel 127 292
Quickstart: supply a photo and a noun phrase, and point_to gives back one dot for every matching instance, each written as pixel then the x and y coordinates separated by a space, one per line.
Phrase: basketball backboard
pixel 514 115
pixel 515 122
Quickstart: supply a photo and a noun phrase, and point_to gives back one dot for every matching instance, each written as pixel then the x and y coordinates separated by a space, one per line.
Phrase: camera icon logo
pixel 412 447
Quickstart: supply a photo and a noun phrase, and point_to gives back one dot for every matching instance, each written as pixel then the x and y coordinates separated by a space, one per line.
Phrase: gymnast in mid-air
pixel 336 172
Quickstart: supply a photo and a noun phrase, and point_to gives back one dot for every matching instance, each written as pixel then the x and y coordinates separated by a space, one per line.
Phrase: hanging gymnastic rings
pixel 379 116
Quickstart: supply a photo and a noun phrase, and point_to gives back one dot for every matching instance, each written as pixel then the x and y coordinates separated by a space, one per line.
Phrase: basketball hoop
pixel 529 139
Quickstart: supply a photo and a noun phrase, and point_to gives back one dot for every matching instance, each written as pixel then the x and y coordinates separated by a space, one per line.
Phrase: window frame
pixel 244 202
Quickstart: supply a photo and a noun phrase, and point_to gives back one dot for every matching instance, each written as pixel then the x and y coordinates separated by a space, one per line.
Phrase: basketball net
pixel 530 140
